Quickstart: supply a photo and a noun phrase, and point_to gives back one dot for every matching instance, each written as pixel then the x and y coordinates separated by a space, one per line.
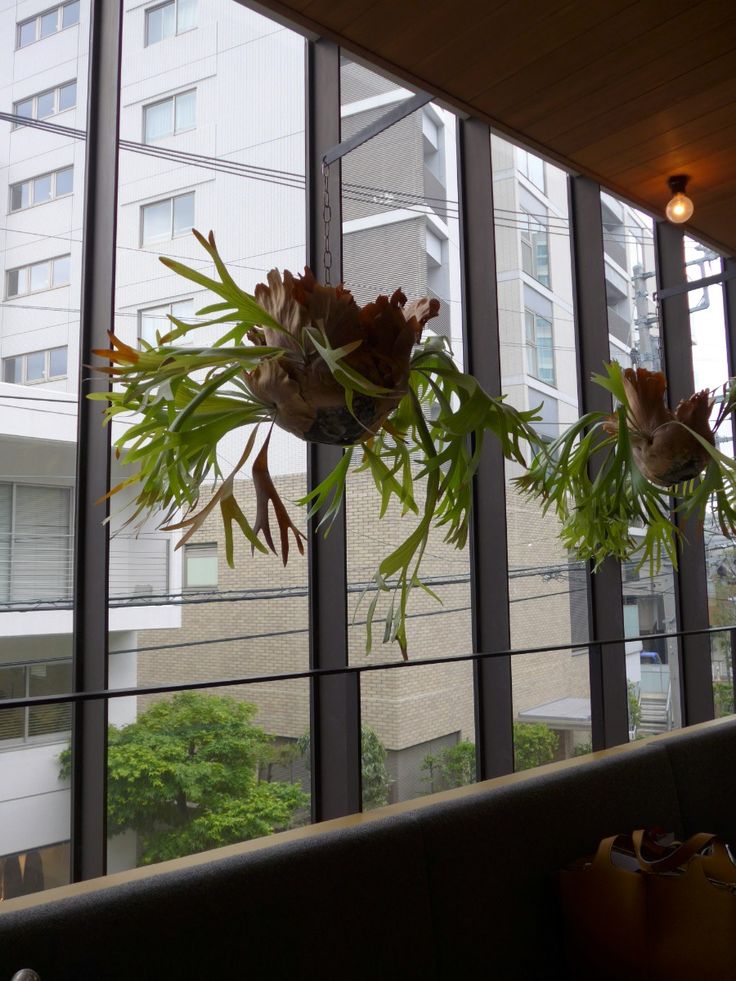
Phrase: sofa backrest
pixel 459 887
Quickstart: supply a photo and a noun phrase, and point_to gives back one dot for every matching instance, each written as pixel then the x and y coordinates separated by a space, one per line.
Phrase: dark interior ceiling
pixel 628 93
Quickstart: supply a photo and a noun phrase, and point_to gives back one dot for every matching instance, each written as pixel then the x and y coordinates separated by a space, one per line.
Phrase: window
pixel 35 543
pixel 170 116
pixel 534 248
pixel 540 359
pixel 38 276
pixel 200 565
pixel 39 190
pixel 531 166
pixel 168 218
pixel 168 19
pixel 44 723
pixel 48 23
pixel 155 319
pixel 48 103
pixel 38 366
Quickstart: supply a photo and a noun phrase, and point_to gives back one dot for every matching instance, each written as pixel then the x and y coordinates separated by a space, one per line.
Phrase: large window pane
pixel 652 667
pixel 185 110
pixel 182 615
pixel 158 120
pixel 547 586
pixel 400 230
pixel 38 426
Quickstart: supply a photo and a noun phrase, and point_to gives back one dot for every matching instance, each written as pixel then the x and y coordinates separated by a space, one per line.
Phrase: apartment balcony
pixel 36 577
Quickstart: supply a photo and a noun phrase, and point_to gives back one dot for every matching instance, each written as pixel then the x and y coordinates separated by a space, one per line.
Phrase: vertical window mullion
pixel 608 687
pixel 335 699
pixel 90 638
pixel 491 623
pixel 691 581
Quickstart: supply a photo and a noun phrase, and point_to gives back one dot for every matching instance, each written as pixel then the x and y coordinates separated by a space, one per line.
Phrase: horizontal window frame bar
pixel 108 693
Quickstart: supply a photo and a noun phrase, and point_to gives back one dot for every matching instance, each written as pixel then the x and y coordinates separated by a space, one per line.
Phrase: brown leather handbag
pixel 639 910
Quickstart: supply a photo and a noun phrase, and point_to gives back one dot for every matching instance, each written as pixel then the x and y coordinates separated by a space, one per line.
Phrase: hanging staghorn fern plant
pixel 616 481
pixel 309 359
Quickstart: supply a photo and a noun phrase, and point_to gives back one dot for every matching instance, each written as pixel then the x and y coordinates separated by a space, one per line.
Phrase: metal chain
pixel 326 219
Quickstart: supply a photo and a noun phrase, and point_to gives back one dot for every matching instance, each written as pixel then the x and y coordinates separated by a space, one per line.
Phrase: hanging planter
pixel 617 480
pixel 309 359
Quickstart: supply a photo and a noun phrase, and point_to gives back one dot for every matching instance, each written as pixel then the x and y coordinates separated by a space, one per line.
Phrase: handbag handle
pixel 678 855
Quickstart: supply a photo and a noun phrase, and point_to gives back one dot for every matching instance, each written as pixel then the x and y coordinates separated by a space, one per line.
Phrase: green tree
pixel 374 773
pixel 184 777
pixel 453 766
pixel 534 744
pixel 723 698
pixel 634 708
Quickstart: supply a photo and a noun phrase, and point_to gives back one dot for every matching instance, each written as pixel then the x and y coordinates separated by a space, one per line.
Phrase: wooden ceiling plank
pixel 637 95
pixel 709 134
pixel 337 13
pixel 497 55
pixel 633 141
pixel 628 43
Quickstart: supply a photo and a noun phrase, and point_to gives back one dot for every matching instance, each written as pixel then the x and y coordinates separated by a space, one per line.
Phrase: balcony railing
pixel 36 570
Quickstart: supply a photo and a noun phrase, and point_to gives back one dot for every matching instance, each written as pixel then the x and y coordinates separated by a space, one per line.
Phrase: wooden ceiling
pixel 628 93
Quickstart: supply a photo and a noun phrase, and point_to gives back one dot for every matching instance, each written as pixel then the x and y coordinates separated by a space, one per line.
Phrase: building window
pixel 37 723
pixel 38 366
pixel 167 219
pixel 38 276
pixel 48 103
pixel 200 566
pixel 49 22
pixel 531 166
pixel 35 543
pixel 39 190
pixel 540 357
pixel 534 248
pixel 167 19
pixel 169 116
pixel 155 320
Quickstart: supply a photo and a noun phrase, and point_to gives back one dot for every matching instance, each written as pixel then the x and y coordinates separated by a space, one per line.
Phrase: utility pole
pixel 647 357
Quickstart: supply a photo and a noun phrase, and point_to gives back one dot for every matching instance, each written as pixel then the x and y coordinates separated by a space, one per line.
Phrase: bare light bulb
pixel 680 207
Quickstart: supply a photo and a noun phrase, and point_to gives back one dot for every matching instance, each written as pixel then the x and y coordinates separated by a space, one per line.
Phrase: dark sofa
pixel 456 886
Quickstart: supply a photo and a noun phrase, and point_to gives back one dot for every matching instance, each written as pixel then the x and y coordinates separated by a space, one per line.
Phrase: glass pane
pixel 160 23
pixel 35 366
pixel 158 120
pixel 27 33
pixel 20 196
pixel 24 108
pixel 57 362
pixel 46 104
pixel 40 276
pixel 51 721
pixel 67 96
pixel 201 565
pixel 710 360
pixel 62 270
pixel 185 110
pixel 70 14
pixel 49 23
pixel 11 371
pixel 547 585
pixel 157 221
pixel 652 667
pixel 64 181
pixel 256 620
pixel 12 721
pixel 13 279
pixel 183 213
pixel 186 14
pixel 38 452
pixel 410 718
pixel 42 189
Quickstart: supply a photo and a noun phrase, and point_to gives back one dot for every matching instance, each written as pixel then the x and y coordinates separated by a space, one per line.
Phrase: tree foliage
pixel 534 744
pixel 184 777
pixel 375 777
pixel 453 766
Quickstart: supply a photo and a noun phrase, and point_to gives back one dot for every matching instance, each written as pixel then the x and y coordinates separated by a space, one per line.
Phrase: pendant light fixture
pixel 679 208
